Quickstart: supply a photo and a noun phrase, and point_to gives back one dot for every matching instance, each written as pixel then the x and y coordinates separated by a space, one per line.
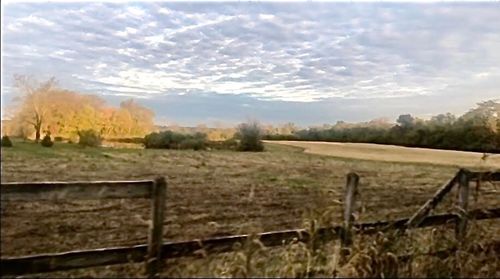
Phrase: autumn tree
pixel 288 128
pixel 35 102
pixel 121 122
pixel 139 119
pixel 72 112
pixel 44 107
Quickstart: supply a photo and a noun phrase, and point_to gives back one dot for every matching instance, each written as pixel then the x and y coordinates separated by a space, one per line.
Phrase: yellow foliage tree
pixel 43 106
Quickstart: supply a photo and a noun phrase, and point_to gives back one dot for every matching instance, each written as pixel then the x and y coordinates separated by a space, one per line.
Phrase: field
pixel 216 193
pixel 392 153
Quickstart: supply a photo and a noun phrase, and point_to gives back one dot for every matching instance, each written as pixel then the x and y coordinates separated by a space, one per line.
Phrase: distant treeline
pixel 476 130
pixel 44 107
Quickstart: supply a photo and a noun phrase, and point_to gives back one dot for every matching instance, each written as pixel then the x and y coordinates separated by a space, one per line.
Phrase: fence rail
pixel 489 175
pixel 119 255
pixel 80 190
pixel 156 249
pixel 89 190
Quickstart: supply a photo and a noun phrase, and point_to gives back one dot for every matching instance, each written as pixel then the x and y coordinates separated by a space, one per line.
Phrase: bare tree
pixel 35 101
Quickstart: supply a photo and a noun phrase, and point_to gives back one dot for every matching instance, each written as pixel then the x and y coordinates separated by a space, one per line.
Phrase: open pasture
pixel 210 193
pixel 393 153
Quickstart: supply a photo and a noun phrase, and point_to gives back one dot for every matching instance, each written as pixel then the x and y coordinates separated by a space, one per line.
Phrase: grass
pixel 212 193
pixel 392 153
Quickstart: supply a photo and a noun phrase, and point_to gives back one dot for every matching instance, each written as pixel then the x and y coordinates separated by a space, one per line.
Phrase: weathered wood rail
pixel 119 255
pixel 91 190
pixel 78 190
pixel 157 249
pixel 491 176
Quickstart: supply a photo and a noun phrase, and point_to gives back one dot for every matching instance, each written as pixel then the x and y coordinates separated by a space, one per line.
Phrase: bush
pixel 47 141
pixel 192 143
pixel 6 142
pixel 229 144
pixel 58 139
pixel 172 140
pixel 158 140
pixel 127 140
pixel 89 138
pixel 250 136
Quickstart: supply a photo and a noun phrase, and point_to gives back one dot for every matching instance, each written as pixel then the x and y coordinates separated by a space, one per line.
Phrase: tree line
pixel 45 107
pixel 476 130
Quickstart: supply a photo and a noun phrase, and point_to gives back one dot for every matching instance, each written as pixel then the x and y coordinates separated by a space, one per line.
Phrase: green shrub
pixel 6 142
pixel 89 138
pixel 193 143
pixel 158 140
pixel 173 140
pixel 229 144
pixel 198 141
pixel 250 136
pixel 127 140
pixel 47 141
pixel 58 139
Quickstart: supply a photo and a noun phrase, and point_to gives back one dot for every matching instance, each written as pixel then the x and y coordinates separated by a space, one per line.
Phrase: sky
pixel 309 63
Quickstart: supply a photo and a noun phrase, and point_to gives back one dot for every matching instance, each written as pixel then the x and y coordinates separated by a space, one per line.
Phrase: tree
pixel 405 120
pixel 488 110
pixel 73 112
pixel 381 122
pixel 443 119
pixel 36 101
pixel 288 129
pixel 122 122
pixel 250 135
pixel 141 118
pixel 215 135
pixel 44 107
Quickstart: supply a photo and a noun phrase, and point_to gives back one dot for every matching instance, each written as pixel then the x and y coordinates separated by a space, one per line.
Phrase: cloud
pixel 268 52
pixel 35 20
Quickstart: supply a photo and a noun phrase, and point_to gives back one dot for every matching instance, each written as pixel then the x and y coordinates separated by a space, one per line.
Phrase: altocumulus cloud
pixel 306 62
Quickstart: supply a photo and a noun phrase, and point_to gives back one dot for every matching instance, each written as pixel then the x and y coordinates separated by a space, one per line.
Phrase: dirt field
pixel 210 193
pixel 392 153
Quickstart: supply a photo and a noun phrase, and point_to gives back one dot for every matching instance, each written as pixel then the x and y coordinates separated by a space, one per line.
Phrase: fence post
pixel 478 186
pixel 351 192
pixel 463 202
pixel 155 241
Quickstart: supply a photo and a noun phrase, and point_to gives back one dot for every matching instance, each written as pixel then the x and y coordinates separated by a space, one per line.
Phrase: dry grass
pixel 392 153
pixel 210 193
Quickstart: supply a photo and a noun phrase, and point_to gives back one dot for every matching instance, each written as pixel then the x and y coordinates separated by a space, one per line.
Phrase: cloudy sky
pixel 309 63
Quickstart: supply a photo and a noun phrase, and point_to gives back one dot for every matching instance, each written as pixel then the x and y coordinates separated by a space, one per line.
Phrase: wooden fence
pixel 156 250
pixel 153 189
